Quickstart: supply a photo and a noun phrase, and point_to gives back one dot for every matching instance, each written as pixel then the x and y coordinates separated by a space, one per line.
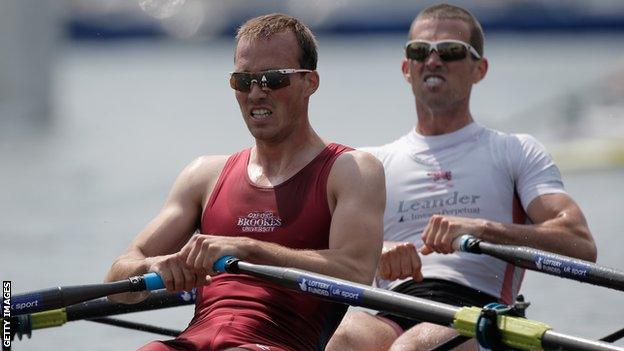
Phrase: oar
pixel 137 326
pixel 545 262
pixel 516 332
pixel 96 309
pixel 63 296
pixel 613 337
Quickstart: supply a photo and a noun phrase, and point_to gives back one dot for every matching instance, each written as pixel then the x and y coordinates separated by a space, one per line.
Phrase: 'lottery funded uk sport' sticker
pixel 564 268
pixel 329 289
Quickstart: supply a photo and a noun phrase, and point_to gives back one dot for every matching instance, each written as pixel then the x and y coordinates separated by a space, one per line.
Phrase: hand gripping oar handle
pixel 225 264
pixel 153 282
pixel 63 296
pixel 466 243
pixel 545 262
pixel 517 332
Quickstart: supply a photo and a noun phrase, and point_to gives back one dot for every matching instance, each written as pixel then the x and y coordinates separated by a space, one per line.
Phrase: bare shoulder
pixel 206 167
pixel 355 168
pixel 359 161
pixel 201 174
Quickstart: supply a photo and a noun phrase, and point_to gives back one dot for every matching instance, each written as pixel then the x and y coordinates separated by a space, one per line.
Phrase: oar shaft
pixel 556 341
pixel 548 263
pixel 137 326
pixel 352 293
pixel 98 308
pixel 343 291
pixel 613 337
pixel 102 307
pixel 63 296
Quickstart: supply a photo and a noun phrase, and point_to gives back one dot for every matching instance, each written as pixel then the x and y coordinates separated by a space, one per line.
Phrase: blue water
pixel 128 117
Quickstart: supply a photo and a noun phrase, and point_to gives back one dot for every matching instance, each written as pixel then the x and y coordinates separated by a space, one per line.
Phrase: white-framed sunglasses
pixel 448 50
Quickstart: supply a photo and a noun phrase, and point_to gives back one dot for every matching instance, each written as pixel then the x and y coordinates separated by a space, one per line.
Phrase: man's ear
pixel 480 71
pixel 312 81
pixel 405 68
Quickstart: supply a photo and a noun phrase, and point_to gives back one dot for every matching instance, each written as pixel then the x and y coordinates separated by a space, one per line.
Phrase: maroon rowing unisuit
pixel 243 311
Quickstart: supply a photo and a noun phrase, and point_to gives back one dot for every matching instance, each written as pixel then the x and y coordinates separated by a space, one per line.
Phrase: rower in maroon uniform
pixel 293 199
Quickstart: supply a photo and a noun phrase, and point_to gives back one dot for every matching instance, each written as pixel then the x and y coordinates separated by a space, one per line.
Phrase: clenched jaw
pixel 260 113
pixel 433 80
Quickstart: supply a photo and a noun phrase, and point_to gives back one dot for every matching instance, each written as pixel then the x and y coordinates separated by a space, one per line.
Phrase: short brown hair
pixel 268 25
pixel 450 12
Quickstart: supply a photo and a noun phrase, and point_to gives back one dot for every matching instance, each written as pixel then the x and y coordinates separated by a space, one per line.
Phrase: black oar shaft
pixel 62 296
pixel 26 323
pixel 613 337
pixel 554 264
pixel 102 307
pixel 137 326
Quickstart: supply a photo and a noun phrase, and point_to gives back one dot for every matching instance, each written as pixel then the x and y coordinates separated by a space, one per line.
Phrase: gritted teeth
pixel 434 80
pixel 260 112
pixel 433 77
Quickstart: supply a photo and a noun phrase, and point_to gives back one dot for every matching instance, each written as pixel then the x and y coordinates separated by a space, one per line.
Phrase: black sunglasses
pixel 273 79
pixel 448 50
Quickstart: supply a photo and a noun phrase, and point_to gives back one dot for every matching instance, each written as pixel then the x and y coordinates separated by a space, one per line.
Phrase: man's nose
pixel 433 60
pixel 257 91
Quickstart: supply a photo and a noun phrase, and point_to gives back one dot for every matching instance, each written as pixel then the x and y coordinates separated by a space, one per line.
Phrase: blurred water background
pixel 97 120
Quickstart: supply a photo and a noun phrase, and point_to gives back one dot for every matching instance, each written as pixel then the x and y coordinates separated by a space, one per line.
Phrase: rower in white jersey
pixel 451 176
pixel 474 172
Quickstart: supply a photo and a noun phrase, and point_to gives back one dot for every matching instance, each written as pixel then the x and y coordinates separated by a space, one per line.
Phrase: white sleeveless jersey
pixel 473 172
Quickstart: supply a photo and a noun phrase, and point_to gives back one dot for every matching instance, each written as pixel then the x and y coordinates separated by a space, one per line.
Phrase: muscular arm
pixel 559 226
pixel 356 235
pixel 356 193
pixel 156 247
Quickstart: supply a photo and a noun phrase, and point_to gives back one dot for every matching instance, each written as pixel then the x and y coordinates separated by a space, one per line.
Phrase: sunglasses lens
pixel 417 51
pixel 241 81
pixel 448 51
pixel 452 51
pixel 276 80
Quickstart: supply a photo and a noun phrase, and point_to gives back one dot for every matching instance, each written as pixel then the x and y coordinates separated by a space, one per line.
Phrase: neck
pixel 444 120
pixel 273 163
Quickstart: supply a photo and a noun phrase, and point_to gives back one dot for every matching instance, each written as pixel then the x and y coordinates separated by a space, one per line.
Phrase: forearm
pixel 125 267
pixel 128 265
pixel 558 235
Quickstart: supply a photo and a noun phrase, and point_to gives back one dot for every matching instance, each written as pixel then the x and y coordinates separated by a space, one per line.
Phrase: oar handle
pixel 465 243
pixel 223 264
pixel 153 281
